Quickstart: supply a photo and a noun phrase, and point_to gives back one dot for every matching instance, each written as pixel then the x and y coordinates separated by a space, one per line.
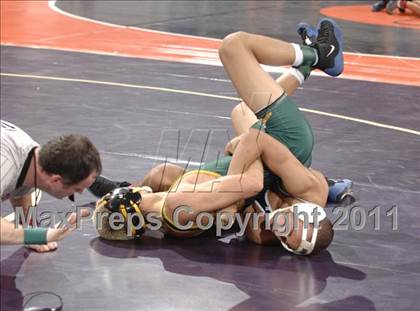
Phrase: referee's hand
pixel 51 246
pixel 54 235
pixel 61 232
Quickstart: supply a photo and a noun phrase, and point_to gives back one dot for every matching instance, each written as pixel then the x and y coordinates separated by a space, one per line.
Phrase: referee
pixel 63 166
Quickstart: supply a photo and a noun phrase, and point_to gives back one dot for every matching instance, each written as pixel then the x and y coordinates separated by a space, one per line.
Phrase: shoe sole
pixel 339 59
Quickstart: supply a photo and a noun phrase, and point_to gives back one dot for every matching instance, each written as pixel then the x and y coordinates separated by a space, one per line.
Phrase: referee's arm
pixel 10 234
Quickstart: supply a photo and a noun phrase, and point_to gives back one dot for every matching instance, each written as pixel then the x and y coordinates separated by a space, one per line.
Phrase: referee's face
pixel 60 190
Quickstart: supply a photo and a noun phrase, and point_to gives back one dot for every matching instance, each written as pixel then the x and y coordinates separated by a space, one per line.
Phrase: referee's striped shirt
pixel 15 148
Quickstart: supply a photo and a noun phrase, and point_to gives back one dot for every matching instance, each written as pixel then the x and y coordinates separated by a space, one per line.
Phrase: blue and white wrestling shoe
pixel 330 45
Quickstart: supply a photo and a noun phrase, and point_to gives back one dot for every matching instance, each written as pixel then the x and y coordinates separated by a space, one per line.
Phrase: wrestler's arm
pixel 257 144
pixel 231 145
pixel 216 194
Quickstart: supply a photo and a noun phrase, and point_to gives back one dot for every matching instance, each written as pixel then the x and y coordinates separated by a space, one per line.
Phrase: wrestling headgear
pixel 127 202
pixel 314 215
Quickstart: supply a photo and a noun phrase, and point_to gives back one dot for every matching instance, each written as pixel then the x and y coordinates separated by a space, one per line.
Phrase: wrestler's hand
pixel 137 183
pixel 231 146
pixel 145 190
pixel 230 212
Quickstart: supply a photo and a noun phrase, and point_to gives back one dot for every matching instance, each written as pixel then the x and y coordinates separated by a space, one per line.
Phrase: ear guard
pixel 306 213
pixel 126 201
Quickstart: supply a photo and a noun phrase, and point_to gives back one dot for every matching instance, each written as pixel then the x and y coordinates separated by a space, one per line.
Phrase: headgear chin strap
pixel 126 200
pixel 308 213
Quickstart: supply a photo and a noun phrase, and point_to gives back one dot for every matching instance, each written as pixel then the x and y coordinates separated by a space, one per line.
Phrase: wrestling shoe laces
pixel 324 33
pixel 329 45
